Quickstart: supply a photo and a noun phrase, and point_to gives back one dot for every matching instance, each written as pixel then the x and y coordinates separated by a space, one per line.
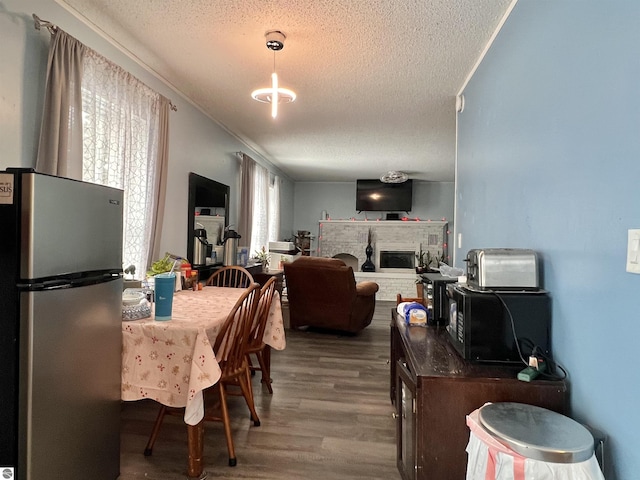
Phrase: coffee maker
pixel 200 246
pixel 230 243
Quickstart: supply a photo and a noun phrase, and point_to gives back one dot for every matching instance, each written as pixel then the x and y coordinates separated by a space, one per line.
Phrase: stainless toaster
pixel 502 268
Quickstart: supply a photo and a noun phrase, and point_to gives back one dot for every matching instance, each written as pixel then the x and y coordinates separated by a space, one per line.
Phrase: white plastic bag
pixel 448 271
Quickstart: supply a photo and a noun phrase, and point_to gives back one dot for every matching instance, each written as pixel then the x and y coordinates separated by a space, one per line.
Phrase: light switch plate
pixel 633 251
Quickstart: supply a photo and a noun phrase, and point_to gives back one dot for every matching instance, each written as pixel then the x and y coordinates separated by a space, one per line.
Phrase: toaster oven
pixel 502 268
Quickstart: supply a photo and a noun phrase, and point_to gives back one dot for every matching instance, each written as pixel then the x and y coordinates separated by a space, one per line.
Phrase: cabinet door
pixel 406 421
pixel 395 349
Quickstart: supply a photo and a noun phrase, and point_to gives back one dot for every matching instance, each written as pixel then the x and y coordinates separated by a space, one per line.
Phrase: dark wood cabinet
pixel 205 271
pixel 264 276
pixel 303 242
pixel 433 389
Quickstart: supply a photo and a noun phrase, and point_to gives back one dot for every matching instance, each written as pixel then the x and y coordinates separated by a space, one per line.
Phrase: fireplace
pixel 347 239
pixel 396 257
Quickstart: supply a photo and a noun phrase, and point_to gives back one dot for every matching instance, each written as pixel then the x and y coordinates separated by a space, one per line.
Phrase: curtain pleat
pixel 160 187
pixel 60 145
pixel 245 216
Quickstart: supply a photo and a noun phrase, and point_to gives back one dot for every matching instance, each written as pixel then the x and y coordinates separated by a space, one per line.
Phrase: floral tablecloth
pixel 173 361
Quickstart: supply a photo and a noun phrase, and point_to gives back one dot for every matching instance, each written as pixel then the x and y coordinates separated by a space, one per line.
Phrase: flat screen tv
pixel 376 196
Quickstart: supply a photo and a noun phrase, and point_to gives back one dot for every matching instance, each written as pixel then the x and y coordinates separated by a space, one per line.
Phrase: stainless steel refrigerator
pixel 60 327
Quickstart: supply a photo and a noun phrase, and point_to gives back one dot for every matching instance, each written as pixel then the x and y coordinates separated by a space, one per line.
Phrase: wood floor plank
pixel 328 418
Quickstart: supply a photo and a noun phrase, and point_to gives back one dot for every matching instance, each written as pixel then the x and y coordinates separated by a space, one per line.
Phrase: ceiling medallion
pixel 274 94
pixel 394 177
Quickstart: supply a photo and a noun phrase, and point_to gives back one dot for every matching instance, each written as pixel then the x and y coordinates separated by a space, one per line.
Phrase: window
pixel 259 218
pixel 101 124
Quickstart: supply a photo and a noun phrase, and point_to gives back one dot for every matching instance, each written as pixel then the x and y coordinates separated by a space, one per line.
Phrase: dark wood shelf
pixel 205 271
pixel 263 277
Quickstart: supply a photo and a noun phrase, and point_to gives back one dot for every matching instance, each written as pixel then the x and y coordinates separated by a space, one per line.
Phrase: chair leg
pixel 227 426
pixel 156 429
pixel 251 367
pixel 264 359
pixel 247 392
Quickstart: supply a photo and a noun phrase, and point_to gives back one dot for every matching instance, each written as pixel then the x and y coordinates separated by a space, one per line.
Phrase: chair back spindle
pixel 230 276
pixel 256 345
pixel 233 339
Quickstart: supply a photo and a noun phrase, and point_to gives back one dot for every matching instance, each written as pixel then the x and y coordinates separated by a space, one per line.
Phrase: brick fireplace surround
pixel 347 240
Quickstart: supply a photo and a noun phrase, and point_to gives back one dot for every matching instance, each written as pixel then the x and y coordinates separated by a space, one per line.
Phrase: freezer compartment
pixel 70 376
pixel 68 226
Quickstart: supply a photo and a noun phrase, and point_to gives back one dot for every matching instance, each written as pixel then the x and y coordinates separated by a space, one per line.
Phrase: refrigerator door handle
pixel 70 281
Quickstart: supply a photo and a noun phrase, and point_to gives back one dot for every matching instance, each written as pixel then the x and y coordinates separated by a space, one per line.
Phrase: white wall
pixel 196 144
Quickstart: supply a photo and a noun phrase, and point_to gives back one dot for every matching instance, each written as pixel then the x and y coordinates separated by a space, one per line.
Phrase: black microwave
pixel 499 327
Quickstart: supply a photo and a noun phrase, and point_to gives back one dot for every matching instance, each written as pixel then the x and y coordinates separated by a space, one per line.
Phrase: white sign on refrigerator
pixel 6 189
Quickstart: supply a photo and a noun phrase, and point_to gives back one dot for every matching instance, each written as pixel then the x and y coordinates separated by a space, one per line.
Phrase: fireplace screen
pixel 397 259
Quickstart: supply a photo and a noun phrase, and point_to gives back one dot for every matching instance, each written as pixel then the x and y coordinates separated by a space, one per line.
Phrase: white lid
pixel 537 433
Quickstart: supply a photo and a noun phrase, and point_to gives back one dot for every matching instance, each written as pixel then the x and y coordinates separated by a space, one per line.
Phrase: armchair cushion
pixel 322 292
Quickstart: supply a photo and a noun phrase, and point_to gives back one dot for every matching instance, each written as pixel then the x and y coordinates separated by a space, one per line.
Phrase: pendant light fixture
pixel 394 177
pixel 274 94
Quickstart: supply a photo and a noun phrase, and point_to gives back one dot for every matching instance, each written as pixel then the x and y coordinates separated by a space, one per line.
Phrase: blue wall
pixel 549 159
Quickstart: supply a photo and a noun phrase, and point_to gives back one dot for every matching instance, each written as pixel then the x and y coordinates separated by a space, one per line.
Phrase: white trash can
pixel 515 441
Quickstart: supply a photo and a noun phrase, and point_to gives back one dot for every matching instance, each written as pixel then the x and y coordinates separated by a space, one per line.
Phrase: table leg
pixel 195 439
pixel 266 355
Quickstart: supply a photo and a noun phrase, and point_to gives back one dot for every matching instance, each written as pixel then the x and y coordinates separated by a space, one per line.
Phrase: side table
pixel 264 276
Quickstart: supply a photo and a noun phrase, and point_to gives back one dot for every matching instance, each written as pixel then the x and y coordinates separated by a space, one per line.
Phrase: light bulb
pixel 274 98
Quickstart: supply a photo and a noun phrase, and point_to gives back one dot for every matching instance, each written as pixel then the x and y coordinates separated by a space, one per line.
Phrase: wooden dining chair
pixel 256 345
pixel 230 349
pixel 230 276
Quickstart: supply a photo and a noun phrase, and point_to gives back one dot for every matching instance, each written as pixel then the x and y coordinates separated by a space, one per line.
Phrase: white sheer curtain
pixel 274 210
pixel 260 220
pixel 120 147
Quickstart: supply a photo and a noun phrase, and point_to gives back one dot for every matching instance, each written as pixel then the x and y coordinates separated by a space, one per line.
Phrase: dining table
pixel 173 362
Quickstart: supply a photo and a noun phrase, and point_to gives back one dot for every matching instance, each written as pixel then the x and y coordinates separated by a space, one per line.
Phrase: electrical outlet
pixel 633 251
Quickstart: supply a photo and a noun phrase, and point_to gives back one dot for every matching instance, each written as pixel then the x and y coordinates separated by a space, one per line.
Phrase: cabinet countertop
pixel 432 355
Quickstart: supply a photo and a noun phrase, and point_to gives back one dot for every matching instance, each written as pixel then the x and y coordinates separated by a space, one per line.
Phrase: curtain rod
pixel 39 23
pixel 44 23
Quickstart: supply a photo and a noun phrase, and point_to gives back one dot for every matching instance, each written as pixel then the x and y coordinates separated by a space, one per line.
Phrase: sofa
pixel 323 293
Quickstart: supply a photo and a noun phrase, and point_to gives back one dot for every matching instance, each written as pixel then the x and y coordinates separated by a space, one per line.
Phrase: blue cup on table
pixel 164 285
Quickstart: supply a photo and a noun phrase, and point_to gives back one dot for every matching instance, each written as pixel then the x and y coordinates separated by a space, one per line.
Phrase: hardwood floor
pixel 329 417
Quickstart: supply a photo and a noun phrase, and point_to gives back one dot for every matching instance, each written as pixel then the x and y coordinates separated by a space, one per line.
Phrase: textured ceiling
pixel 376 79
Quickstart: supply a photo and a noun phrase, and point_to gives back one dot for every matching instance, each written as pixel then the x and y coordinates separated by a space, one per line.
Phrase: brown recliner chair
pixel 322 292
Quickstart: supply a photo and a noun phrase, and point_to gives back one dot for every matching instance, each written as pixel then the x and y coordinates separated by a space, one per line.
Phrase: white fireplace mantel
pixel 349 237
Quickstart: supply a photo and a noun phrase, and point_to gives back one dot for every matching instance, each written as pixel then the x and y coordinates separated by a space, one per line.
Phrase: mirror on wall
pixel 208 208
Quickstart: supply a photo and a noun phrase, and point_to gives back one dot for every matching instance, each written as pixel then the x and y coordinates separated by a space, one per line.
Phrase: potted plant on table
pixel 426 262
pixel 423 260
pixel 262 256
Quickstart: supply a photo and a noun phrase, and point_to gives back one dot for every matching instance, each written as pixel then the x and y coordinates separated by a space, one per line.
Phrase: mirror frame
pixel 219 189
